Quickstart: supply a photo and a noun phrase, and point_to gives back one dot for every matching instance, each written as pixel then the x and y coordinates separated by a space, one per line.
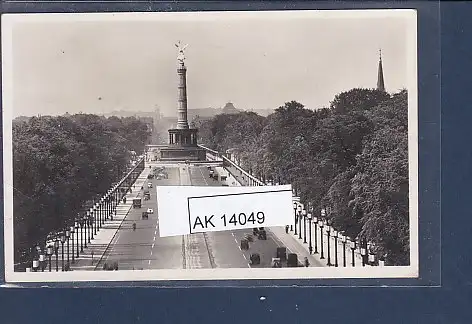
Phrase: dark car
pixel 255 259
pixel 244 244
pixel 262 235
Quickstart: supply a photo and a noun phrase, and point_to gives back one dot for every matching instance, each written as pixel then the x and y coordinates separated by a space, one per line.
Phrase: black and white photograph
pixel 210 145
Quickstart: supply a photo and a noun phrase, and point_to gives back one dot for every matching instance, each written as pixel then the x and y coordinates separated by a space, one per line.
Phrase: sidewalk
pixel 293 246
pixel 332 250
pixel 296 245
pixel 90 258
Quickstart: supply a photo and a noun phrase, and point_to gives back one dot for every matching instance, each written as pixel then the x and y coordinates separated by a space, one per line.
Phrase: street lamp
pixel 96 214
pixel 353 248
pixel 363 254
pixel 321 236
pixel 300 221
pixel 372 258
pixel 105 201
pixel 63 240
pixel 310 246
pixel 41 261
pixel 328 231
pixel 382 260
pixel 56 252
pixel 91 221
pixel 304 225
pixel 344 240
pixel 87 220
pixel 72 231
pixel 335 235
pixel 35 265
pixel 102 211
pixel 49 252
pixel 295 217
pixel 67 238
pixel 84 221
pixel 315 220
pixel 81 223
pixel 108 202
pixel 77 236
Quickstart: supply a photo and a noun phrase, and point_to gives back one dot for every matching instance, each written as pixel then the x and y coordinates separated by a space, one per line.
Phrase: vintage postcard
pixel 210 145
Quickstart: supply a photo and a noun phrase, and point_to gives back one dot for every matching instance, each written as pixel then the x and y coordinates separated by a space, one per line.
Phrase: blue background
pixel 450 303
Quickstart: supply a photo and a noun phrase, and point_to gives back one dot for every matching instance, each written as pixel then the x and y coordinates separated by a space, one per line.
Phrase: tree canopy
pixel 352 157
pixel 61 162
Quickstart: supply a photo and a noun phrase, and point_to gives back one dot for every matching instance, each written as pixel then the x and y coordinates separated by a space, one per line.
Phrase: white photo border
pixel 411 271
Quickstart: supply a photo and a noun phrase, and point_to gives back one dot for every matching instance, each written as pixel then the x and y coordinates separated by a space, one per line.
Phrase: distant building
pixel 229 108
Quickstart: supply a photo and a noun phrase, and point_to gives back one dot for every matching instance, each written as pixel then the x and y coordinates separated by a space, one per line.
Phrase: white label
pixel 189 209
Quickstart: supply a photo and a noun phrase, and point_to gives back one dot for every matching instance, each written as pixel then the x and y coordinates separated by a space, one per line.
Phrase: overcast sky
pixel 254 62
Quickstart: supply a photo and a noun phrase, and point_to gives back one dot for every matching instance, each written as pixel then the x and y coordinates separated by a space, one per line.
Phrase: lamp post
pixel 96 213
pixel 382 260
pixel 335 235
pixel 91 221
pixel 56 251
pixel 315 220
pixel 112 196
pixel 304 225
pixel 49 252
pixel 108 200
pixel 77 236
pixel 344 240
pixel 102 211
pixel 371 255
pixel 328 231
pixel 310 246
pixel 72 231
pixel 295 205
pixel 35 265
pixel 81 222
pixel 67 238
pixel 353 248
pixel 300 221
pixel 321 236
pixel 87 221
pixel 41 261
pixel 372 258
pixel 63 240
pixel 364 252
pixel 105 202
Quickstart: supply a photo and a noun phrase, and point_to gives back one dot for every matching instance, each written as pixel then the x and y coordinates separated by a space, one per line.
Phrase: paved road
pixel 225 245
pixel 144 249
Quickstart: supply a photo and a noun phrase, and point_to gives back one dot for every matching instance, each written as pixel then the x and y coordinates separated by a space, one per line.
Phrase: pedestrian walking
pixel 307 263
pixel 286 229
pixel 124 200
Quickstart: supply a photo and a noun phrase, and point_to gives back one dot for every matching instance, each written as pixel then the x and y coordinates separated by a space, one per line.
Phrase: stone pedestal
pixel 183 146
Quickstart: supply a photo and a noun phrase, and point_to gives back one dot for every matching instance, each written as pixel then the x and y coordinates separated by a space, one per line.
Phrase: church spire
pixel 380 77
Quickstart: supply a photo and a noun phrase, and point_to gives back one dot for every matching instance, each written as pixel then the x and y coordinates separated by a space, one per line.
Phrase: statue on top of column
pixel 181 55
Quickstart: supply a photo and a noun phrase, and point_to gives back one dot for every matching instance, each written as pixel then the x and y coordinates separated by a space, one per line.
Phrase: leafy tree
pixel 380 191
pixel 352 157
pixel 358 99
pixel 61 162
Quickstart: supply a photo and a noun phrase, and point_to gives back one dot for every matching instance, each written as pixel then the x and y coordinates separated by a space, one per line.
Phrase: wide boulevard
pixel 144 249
